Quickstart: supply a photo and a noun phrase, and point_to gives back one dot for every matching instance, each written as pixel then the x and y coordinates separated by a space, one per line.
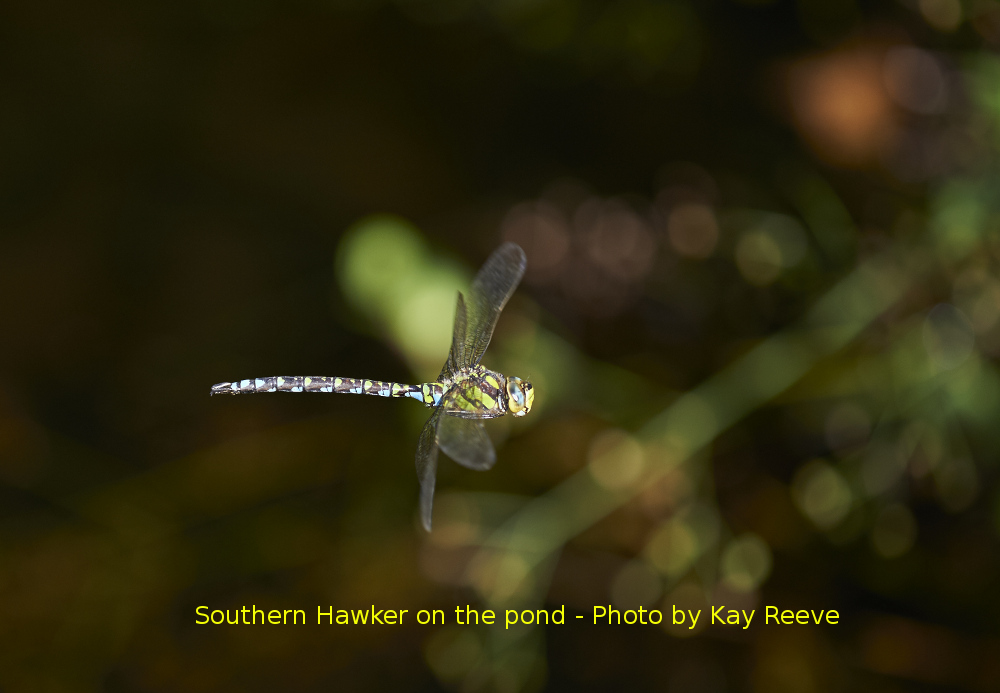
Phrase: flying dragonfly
pixel 464 394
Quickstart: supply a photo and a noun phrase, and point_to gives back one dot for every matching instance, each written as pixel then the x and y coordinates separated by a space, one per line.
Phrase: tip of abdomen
pixel 224 389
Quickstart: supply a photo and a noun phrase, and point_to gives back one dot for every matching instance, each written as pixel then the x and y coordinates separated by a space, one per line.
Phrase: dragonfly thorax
pixel 479 393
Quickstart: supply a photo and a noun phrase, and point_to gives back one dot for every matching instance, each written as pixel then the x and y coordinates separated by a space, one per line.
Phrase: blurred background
pixel 761 314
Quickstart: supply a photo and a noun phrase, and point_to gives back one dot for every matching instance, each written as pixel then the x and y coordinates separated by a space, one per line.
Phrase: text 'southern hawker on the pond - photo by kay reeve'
pixel 464 393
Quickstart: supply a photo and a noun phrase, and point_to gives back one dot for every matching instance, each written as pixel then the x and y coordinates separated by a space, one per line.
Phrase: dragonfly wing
pixel 491 288
pixel 466 442
pixel 427 454
pixel 456 357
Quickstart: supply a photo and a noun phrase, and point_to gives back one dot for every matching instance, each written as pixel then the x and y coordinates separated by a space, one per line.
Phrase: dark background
pixel 761 312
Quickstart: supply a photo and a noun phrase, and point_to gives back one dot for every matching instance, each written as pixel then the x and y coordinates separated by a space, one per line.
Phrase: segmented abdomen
pixel 309 383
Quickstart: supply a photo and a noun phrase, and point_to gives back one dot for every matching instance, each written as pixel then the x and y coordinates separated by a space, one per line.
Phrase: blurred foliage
pixel 761 314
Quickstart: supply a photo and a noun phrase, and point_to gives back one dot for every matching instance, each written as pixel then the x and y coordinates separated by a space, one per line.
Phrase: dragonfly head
pixel 520 396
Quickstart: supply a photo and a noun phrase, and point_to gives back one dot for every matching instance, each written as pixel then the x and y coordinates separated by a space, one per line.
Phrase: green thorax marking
pixel 474 393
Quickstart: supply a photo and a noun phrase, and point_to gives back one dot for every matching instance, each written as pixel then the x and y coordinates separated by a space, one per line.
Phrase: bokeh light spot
pixel 746 563
pixel 915 80
pixel 615 459
pixel 542 230
pixel 841 107
pixel 689 598
pixel 758 258
pixel 693 230
pixel 636 584
pixel 672 548
pixel 499 576
pixel 774 242
pixel 822 494
pixel 661 496
pixel 376 255
pixel 619 241
pixel 422 321
pixel 943 15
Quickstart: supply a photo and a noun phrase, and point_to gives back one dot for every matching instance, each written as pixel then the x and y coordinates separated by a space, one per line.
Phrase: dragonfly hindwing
pixel 466 442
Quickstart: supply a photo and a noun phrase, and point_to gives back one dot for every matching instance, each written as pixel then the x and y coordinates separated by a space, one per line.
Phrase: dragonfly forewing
pixel 456 355
pixel 491 288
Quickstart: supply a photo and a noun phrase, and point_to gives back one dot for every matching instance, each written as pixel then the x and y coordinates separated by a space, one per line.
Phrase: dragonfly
pixel 465 393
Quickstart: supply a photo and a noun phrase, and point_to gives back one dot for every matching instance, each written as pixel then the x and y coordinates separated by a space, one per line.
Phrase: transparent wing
pixel 427 453
pixel 456 356
pixel 491 288
pixel 466 442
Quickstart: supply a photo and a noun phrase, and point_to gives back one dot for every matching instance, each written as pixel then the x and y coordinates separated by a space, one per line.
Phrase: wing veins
pixel 426 461
pixel 493 286
pixel 466 442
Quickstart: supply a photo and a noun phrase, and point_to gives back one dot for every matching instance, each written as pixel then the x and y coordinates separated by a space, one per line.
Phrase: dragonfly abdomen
pixel 309 383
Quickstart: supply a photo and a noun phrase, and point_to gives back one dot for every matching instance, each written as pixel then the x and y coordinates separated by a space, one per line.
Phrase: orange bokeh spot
pixel 841 108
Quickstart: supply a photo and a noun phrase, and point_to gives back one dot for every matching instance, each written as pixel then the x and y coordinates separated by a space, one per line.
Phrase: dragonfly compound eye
pixel 519 396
